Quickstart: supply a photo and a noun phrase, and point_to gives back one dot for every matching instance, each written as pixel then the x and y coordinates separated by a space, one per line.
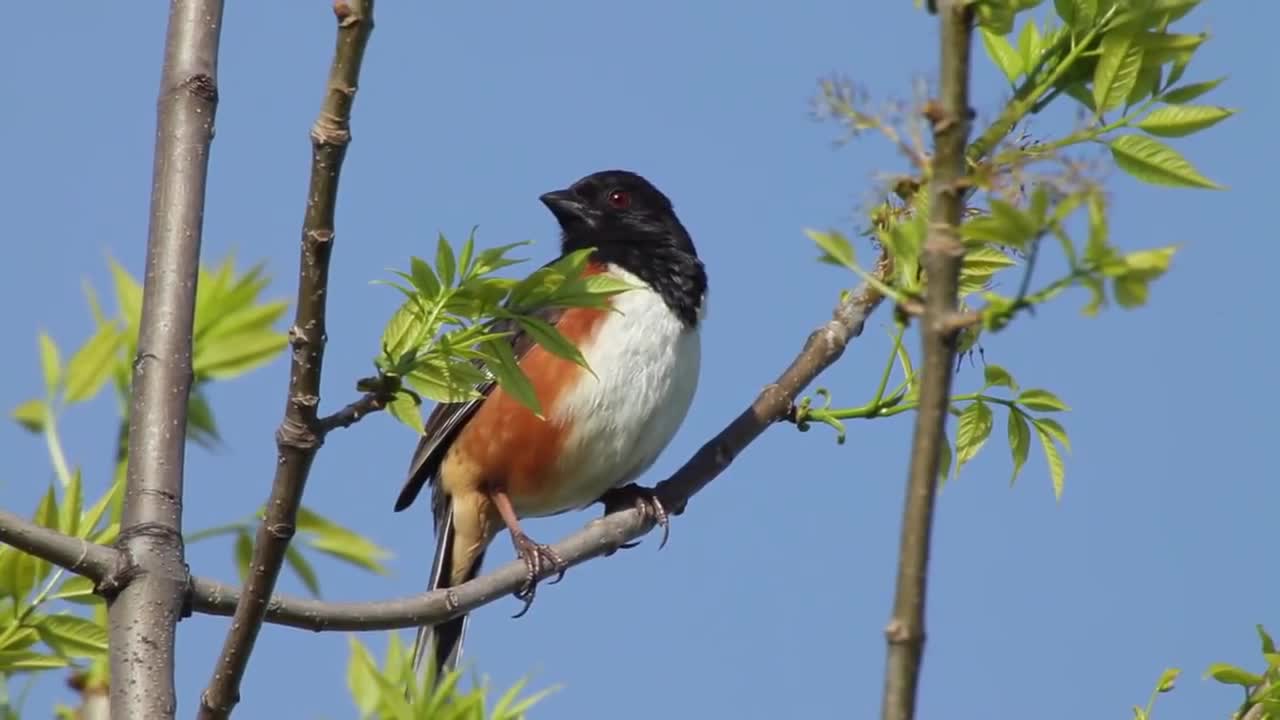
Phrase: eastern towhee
pixel 491 461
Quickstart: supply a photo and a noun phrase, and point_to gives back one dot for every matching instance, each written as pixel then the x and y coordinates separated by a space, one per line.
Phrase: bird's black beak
pixel 568 208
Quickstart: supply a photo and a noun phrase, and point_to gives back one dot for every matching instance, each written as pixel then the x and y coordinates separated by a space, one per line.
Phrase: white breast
pixel 646 364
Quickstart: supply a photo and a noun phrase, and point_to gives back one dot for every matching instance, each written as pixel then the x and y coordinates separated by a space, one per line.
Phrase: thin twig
pixel 599 538
pixel 142 615
pixel 941 258
pixel 299 435
pixel 370 402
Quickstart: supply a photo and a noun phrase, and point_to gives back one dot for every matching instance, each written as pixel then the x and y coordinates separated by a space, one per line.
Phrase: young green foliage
pixel 450 335
pixel 380 691
pixel 1124 64
pixel 314 532
pixel 235 332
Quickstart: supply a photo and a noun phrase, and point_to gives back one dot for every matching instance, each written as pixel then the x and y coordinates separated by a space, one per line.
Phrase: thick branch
pixel 299 435
pixel 143 614
pixel 941 259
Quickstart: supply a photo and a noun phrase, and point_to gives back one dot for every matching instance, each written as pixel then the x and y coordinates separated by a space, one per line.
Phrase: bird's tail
pixel 443 641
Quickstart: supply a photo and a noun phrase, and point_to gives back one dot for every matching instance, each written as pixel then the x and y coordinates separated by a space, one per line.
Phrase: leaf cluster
pixel 451 335
pixel 234 332
pixel 1261 690
pixel 380 691
pixel 1110 57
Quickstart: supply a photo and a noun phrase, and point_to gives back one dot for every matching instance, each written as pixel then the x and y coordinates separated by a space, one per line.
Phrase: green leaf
pixel 493 259
pixel 1167 680
pixel 944 459
pixel 50 364
pixel 77 589
pixel 302 568
pixel 333 539
pixel 468 252
pixel 994 375
pixel 231 356
pixel 1041 400
pixel 1163 47
pixel 546 335
pixel 1003 54
pixel 1148 82
pixel 1187 93
pixel 1077 14
pixel 836 248
pixel 1117 69
pixel 510 377
pixel 243 553
pixel 90 368
pixel 361 669
pixel 1054 428
pixel 404 407
pixel 1268 645
pixel 1006 225
pixel 201 427
pixel 974 429
pixel 15 566
pixel 27 661
pixel 1029 44
pixel 1156 163
pixel 89 522
pixel 402 330
pixel 995 16
pixel 1057 469
pixel 1151 263
pixel 1231 675
pixel 128 294
pixel 1180 120
pixel 72 505
pixel 985 260
pixel 446 263
pixel 424 278
pixel 72 636
pixel 245 320
pixel 1019 442
pixel 447 380
pixel 32 415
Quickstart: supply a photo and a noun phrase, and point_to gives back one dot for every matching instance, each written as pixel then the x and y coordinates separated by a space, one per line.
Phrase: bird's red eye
pixel 620 199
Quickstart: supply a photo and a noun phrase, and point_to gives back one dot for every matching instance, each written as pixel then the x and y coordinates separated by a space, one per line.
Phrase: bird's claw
pixel 643 499
pixel 538 560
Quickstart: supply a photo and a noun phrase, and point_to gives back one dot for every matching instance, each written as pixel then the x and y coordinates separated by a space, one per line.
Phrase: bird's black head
pixel 631 224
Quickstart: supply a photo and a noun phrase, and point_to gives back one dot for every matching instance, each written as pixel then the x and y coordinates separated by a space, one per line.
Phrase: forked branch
pixel 300 434
pixel 941 258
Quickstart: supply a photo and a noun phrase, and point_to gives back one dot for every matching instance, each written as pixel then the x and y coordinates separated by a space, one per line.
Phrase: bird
pixel 491 461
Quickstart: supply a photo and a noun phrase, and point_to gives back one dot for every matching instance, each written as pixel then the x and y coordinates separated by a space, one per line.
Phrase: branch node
pixel 282 531
pixel 298 435
pixel 201 86
pixel 119 576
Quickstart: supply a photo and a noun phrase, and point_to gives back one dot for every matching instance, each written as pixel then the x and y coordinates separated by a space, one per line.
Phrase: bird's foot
pixel 643 499
pixel 538 560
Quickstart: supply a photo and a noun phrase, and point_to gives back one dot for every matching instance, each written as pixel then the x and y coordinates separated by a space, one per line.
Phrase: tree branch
pixel 600 537
pixel 941 258
pixel 299 435
pixel 370 402
pixel 81 557
pixel 143 613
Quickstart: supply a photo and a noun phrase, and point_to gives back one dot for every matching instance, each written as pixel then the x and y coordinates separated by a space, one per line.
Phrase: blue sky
pixel 770 599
